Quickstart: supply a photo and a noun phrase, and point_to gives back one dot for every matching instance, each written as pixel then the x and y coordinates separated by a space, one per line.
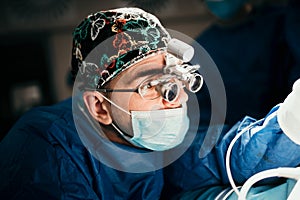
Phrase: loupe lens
pixel 195 82
pixel 170 91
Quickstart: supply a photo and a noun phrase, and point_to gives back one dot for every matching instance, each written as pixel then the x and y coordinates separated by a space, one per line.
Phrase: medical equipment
pixel 180 49
pixel 176 74
pixel 288 114
pixel 177 58
pixel 177 67
pixel 287 172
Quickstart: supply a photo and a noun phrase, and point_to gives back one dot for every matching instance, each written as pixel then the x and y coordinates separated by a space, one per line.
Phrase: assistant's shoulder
pixel 38 134
pixel 52 111
pixel 48 114
pixel 39 120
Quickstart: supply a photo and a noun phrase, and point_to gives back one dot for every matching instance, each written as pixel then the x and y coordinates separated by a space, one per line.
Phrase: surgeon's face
pixel 149 69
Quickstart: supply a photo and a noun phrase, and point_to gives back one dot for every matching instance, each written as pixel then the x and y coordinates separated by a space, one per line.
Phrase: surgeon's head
pixel 134 77
pixel 227 9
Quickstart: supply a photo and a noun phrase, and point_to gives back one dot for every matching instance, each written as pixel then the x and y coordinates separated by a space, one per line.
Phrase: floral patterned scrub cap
pixel 126 35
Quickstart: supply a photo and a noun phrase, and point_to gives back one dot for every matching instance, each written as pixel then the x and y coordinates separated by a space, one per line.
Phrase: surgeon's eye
pixel 167 87
pixel 148 90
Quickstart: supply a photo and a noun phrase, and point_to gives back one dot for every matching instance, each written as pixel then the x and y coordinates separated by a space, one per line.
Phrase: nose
pixel 181 99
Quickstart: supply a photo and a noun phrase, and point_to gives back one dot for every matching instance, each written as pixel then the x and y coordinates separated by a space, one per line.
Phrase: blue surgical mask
pixel 159 130
pixel 224 9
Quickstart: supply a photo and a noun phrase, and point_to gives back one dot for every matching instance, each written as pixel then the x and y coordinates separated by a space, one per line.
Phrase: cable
pixel 227 161
pixel 286 172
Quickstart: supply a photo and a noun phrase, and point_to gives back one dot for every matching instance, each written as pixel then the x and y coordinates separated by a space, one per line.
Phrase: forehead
pixel 148 67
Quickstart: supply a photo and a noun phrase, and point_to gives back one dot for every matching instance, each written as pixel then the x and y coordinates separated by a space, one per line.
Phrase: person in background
pixel 126 132
pixel 256 47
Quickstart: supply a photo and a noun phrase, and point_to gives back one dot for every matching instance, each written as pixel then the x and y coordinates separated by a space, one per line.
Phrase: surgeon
pixel 256 47
pixel 126 132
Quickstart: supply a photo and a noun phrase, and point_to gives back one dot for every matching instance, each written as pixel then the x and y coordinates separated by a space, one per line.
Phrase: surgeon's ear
pixel 97 107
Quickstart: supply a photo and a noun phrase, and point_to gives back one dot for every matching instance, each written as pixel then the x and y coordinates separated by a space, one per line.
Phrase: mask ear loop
pixel 125 136
pixel 119 107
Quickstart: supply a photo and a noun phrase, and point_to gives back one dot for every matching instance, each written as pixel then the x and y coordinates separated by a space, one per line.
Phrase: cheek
pixel 140 104
pixel 122 99
pixel 137 103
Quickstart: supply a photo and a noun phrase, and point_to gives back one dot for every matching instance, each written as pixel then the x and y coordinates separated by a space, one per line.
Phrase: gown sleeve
pixel 261 146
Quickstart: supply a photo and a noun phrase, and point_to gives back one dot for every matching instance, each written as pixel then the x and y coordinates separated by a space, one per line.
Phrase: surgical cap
pixel 116 39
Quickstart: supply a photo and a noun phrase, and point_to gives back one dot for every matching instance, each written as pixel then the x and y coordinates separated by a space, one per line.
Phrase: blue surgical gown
pixel 42 157
pixel 258 59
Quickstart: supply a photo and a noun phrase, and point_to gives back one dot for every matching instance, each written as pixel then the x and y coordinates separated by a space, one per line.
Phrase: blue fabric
pixel 274 192
pixel 42 157
pixel 263 146
pixel 258 59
